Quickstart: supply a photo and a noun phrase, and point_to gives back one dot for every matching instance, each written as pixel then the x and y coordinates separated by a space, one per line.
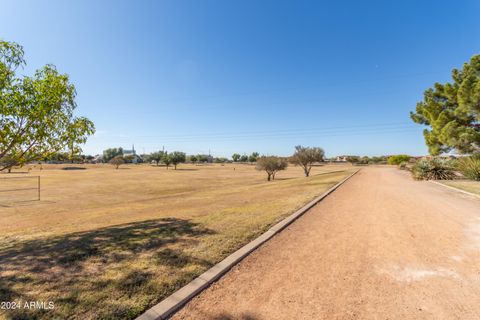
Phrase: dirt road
pixel 381 247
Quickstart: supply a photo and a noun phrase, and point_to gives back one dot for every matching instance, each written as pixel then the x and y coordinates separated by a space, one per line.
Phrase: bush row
pixel 444 169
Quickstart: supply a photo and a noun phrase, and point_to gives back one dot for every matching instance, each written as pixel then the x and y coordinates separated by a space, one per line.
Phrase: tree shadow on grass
pixel 62 265
pixel 110 244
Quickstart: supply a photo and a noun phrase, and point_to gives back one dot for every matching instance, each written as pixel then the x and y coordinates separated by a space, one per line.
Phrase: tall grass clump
pixel 433 169
pixel 470 167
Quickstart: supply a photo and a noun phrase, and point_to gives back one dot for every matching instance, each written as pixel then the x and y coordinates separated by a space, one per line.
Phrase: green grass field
pixel 105 243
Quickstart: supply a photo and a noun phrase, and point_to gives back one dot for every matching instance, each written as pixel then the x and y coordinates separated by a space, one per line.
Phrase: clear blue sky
pixel 243 76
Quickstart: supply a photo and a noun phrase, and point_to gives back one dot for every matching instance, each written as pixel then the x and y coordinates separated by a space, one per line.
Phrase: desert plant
pixel 378 160
pixel 470 167
pixel 402 165
pixel 117 161
pixel 397 159
pixel 271 165
pixel 433 169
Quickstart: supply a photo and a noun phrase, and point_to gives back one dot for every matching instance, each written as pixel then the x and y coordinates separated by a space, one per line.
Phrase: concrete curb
pixel 456 189
pixel 175 301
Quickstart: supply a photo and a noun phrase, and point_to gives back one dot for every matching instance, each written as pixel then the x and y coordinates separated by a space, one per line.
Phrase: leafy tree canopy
pixel 253 157
pixel 306 157
pixel 271 165
pixel 167 159
pixel 452 111
pixel 397 159
pixel 36 113
pixel 193 158
pixel 177 157
pixel 111 153
pixel 155 156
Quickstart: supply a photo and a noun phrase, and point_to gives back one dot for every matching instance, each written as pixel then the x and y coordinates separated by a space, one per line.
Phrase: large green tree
pixel 36 113
pixel 452 111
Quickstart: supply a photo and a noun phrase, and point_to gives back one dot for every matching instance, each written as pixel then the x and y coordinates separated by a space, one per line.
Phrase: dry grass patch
pixel 107 243
pixel 466 185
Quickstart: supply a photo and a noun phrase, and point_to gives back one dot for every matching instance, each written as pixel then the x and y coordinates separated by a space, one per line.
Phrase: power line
pixel 291 133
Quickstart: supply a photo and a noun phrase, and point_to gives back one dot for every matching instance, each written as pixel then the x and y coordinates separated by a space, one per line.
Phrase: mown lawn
pixel 105 243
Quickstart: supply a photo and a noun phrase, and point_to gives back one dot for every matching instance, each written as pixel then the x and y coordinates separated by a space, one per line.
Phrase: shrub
pixel 470 167
pixel 364 160
pixel 402 165
pixel 433 169
pixel 397 159
pixel 353 159
pixel 117 161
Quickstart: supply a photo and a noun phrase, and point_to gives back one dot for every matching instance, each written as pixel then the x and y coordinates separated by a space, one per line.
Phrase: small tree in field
pixel 271 165
pixel 353 159
pixel 253 157
pixel 193 158
pixel 236 157
pixel 167 160
pixel 203 158
pixel 111 153
pixel 244 158
pixel 155 156
pixel 306 157
pixel 117 161
pixel 177 157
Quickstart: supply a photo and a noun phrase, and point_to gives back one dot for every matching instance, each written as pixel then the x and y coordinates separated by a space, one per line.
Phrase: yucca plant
pixel 433 169
pixel 470 167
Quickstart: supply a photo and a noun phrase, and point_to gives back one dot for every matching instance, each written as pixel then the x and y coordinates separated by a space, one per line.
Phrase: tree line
pixel 305 157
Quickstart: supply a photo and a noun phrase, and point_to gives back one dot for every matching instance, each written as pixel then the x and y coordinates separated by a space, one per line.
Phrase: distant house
pixel 131 156
pixel 341 159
